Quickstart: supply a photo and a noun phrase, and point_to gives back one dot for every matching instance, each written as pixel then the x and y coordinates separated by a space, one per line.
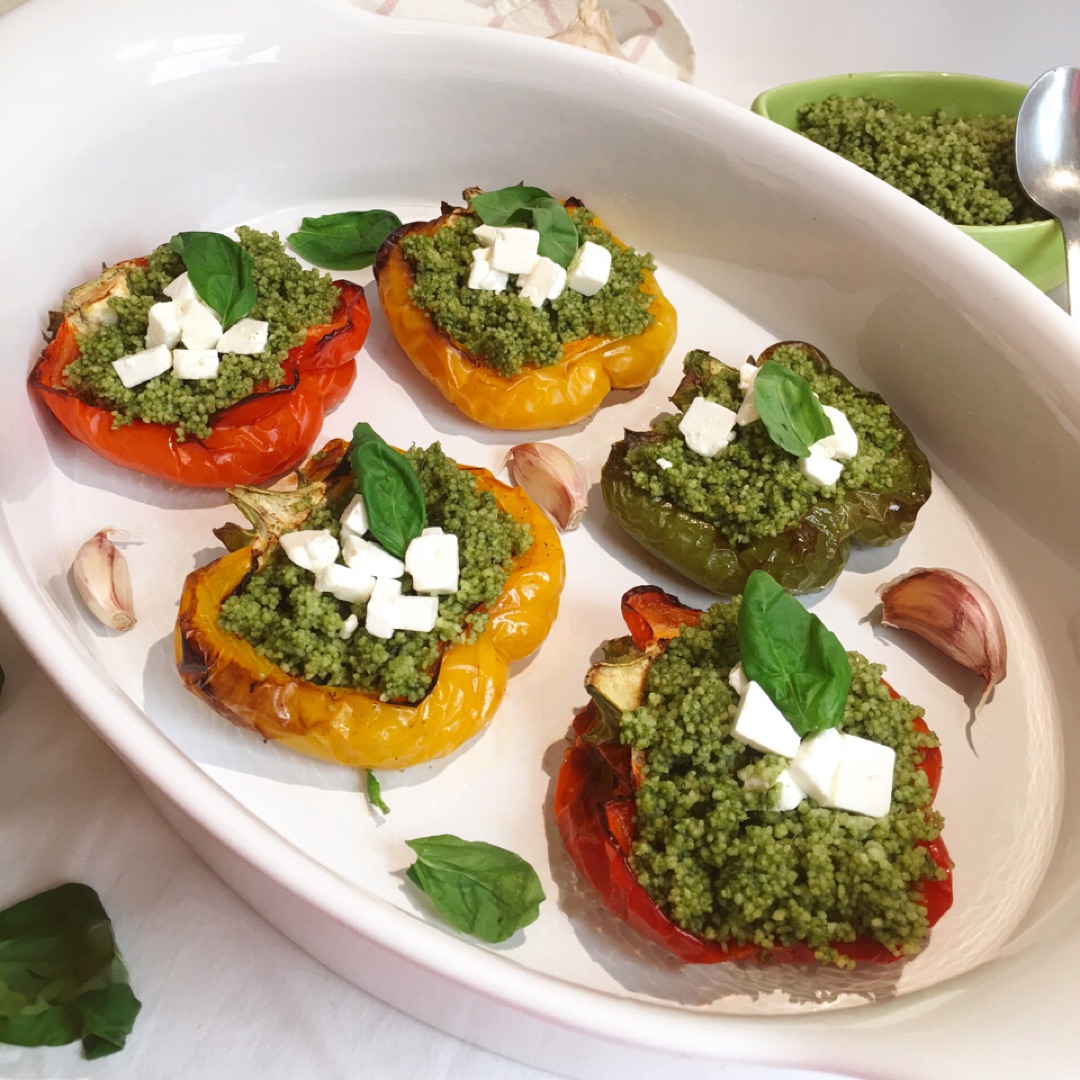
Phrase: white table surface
pixel 224 994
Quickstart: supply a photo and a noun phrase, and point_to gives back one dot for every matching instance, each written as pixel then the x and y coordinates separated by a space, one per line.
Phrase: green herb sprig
pixel 221 272
pixel 393 497
pixel 531 207
pixel 374 793
pixel 61 976
pixel 345 241
pixel 478 888
pixel 789 409
pixel 792 655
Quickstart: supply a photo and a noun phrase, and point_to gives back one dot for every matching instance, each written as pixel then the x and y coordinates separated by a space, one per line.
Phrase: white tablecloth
pixel 224 994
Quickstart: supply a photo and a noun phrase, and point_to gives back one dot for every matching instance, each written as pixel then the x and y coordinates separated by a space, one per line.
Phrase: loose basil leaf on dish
pixel 221 272
pixel 61 976
pixel 345 241
pixel 792 655
pixel 531 207
pixel 789 409
pixel 374 794
pixel 479 888
pixel 393 497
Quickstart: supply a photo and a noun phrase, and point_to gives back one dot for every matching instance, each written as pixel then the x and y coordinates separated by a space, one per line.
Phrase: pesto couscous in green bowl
pixel 946 140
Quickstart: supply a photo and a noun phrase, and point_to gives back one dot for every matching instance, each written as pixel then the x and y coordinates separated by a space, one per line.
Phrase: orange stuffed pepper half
pixel 523 311
pixel 371 614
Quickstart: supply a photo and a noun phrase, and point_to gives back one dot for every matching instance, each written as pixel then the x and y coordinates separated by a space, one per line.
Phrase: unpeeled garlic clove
pixel 954 614
pixel 104 582
pixel 591 29
pixel 553 480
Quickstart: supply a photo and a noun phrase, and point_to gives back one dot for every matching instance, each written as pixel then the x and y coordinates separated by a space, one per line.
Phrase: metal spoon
pixel 1048 160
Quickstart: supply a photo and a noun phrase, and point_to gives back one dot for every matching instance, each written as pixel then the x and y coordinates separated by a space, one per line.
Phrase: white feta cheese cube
pixel 432 561
pixel 748 372
pixel 416 613
pixel 545 281
pixel 820 470
pixel 370 558
pixel 515 250
pixel 483 276
pixel 737 679
pixel 589 269
pixel 864 777
pixel 843 443
pixel 379 618
pixel 142 366
pixel 789 794
pixel 348 627
pixel 663 463
pixel 345 583
pixel 181 290
pixel 354 517
pixel 707 426
pixel 310 549
pixel 485 235
pixel 760 724
pixel 814 767
pixel 163 327
pixel 199 326
pixel 246 337
pixel 195 363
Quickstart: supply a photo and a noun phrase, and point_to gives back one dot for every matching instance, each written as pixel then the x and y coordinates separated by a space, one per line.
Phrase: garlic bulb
pixel 954 614
pixel 553 480
pixel 104 582
pixel 591 29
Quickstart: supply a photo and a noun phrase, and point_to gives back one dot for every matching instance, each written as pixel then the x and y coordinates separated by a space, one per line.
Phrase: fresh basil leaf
pixel 221 272
pixel 374 793
pixel 393 497
pixel 792 655
pixel 61 976
pixel 789 409
pixel 479 888
pixel 345 241
pixel 531 207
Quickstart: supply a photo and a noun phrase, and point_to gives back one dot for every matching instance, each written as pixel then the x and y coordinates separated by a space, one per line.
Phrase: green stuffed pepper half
pixel 717 515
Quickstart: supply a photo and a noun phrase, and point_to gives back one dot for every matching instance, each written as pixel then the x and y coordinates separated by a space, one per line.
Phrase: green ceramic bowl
pixel 1036 250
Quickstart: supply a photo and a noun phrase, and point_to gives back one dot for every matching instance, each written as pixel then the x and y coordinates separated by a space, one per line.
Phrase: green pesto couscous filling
pixel 285 618
pixel 724 865
pixel 505 330
pixel 753 488
pixel 962 169
pixel 290 299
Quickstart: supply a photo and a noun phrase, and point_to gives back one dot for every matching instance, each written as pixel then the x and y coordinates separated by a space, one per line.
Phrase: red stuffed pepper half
pixel 723 828
pixel 213 390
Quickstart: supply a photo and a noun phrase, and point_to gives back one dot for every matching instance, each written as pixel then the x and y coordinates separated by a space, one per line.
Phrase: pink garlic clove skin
pixel 103 581
pixel 954 614
pixel 553 480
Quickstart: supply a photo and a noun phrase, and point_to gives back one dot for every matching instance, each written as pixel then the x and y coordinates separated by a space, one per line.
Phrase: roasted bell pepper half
pixel 804 557
pixel 349 726
pixel 539 397
pixel 595 813
pixel 262 436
